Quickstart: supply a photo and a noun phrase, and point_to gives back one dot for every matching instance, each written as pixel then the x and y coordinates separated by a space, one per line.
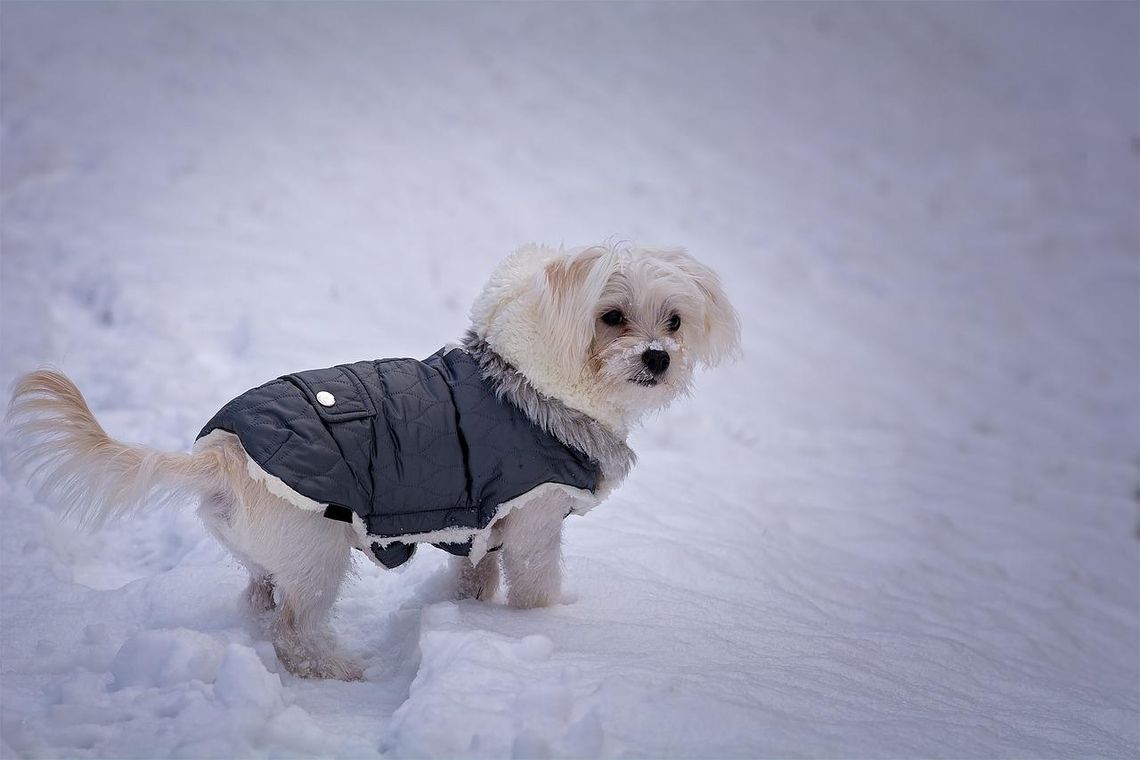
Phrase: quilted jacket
pixel 411 447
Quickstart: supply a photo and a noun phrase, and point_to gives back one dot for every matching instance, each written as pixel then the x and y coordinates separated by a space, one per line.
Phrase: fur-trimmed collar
pixel 575 429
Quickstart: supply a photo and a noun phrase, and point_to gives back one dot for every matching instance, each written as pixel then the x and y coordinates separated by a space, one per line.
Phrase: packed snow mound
pixel 904 524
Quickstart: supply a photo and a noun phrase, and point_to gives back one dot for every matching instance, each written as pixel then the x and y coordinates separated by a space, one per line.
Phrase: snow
pixel 904 524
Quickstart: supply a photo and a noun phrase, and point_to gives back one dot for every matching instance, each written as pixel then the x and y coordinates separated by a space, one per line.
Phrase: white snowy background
pixel 904 524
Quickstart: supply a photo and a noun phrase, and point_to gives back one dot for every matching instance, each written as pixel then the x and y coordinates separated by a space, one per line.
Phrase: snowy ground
pixel 905 524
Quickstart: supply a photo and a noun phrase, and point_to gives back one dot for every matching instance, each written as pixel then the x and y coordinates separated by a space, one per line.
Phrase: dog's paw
pixel 343 669
pixel 534 590
pixel 525 599
pixel 305 662
pixel 335 668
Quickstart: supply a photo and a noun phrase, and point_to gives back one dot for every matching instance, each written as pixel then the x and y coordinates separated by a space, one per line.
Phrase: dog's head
pixel 613 332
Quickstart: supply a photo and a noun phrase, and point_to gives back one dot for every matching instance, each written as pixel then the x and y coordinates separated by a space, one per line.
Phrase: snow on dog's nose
pixel 657 361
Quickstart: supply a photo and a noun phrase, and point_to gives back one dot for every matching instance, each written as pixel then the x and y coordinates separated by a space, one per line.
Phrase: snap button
pixel 324 398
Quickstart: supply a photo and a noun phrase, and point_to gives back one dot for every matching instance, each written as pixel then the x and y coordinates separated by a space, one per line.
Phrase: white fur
pixel 541 312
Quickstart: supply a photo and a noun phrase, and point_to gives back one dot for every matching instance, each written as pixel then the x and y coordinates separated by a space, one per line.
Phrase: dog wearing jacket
pixel 482 449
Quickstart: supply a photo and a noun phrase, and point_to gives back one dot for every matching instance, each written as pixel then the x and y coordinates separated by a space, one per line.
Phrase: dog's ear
pixel 573 284
pixel 721 324
pixel 571 272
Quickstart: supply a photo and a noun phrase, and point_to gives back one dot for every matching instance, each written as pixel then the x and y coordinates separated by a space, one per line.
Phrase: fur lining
pixel 278 488
pixel 581 499
pixel 570 426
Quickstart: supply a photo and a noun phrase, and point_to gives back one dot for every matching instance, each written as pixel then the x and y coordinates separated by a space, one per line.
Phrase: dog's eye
pixel 613 318
pixel 674 323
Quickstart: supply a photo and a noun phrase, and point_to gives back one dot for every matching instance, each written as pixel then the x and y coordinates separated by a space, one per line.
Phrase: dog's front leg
pixel 532 553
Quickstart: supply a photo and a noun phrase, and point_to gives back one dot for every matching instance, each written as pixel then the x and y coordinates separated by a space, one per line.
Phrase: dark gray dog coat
pixel 410 447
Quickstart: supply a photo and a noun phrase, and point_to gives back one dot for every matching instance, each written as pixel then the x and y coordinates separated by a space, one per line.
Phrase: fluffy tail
pixel 76 465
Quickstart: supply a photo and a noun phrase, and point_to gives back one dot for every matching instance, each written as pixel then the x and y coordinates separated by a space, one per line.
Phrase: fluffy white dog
pixel 484 446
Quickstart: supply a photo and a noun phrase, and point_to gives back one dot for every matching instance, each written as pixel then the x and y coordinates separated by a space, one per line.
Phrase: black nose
pixel 657 361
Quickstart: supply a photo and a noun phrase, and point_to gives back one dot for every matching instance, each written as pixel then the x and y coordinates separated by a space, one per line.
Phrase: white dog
pixel 484 446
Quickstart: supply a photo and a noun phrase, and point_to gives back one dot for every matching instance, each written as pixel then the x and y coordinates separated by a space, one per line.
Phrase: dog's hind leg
pixel 297 553
pixel 308 588
pixel 216 510
pixel 309 557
